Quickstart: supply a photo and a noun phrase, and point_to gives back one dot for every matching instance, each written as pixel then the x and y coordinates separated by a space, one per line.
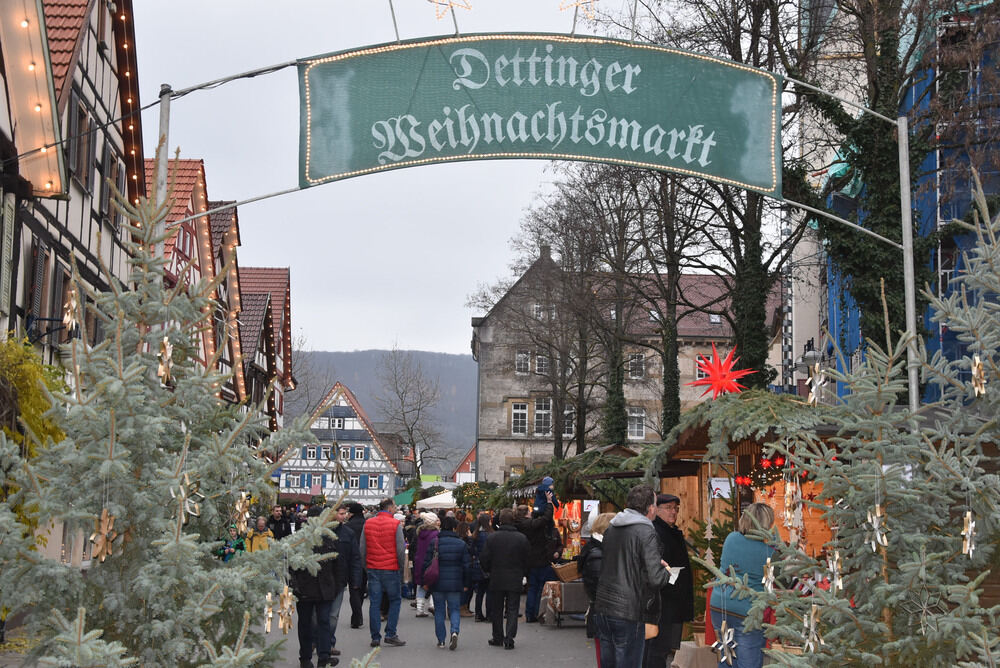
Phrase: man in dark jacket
pixel 538 530
pixel 632 574
pixel 356 593
pixel 315 594
pixel 347 569
pixel 677 599
pixel 278 523
pixel 505 560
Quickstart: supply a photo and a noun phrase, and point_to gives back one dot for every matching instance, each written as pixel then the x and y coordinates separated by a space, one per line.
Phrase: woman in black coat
pixel 480 581
pixel 505 561
pixel 454 575
pixel 591 558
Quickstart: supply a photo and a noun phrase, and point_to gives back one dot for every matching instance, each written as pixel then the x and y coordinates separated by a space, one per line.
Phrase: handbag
pixel 432 571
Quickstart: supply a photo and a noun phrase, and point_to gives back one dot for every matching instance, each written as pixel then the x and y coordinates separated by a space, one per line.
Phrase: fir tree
pixel 149 442
pixel 914 500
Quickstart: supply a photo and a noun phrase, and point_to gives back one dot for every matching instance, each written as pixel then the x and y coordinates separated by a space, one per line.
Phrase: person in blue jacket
pixel 454 575
pixel 743 554
pixel 541 495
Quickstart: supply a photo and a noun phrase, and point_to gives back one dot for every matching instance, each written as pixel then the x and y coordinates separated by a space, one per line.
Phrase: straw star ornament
pixel 978 376
pixel 285 610
pixel 104 535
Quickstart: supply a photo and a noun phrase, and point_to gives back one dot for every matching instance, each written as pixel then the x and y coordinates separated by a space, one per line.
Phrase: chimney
pixel 544 252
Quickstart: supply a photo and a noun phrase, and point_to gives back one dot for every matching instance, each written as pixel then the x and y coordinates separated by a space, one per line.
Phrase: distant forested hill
pixel 317 371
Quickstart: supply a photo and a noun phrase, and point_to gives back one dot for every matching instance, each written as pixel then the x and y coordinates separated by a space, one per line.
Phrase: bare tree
pixel 313 378
pixel 407 400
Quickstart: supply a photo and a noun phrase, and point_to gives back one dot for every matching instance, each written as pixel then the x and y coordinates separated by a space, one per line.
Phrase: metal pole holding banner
pixel 162 164
pixel 909 279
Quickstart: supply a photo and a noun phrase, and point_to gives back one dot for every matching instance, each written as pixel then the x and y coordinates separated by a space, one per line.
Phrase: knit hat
pixel 429 518
pixel 355 508
pixel 399 516
pixel 547 481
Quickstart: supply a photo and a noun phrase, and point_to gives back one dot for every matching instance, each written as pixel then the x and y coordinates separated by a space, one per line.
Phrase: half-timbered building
pixel 349 458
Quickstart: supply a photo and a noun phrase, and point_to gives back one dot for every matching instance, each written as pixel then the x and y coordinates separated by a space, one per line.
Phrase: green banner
pixel 549 97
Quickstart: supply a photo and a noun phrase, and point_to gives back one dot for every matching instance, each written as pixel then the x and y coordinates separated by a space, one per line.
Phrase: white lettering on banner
pixel 403 137
pixel 473 70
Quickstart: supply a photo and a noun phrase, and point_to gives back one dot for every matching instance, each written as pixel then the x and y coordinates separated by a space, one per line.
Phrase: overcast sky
pixel 375 260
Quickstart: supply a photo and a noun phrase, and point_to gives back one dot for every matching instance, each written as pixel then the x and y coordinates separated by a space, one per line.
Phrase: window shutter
pixel 7 258
pixel 381 482
pixel 303 452
pixel 73 145
pixel 309 480
pixel 368 453
pixel 107 172
pixel 323 478
pixel 55 308
pixel 288 481
pixel 40 253
pixel 124 194
pixel 364 481
pixel 88 173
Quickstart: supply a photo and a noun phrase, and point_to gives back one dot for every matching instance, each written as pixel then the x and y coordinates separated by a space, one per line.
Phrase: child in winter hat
pixel 540 500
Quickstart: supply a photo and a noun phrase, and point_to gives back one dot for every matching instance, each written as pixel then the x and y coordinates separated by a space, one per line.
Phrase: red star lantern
pixel 720 377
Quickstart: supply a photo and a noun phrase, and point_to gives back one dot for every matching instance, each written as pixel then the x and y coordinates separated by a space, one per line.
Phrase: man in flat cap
pixel 677 599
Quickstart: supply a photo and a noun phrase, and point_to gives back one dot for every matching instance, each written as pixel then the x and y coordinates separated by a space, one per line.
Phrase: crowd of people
pixel 635 570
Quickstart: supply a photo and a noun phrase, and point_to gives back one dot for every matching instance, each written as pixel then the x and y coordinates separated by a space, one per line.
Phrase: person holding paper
pixel 677 596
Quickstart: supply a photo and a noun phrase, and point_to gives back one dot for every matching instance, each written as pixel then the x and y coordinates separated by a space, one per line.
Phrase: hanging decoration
pixel 165 368
pixel 588 6
pixel 725 645
pixel 978 376
pixel 793 509
pixel 104 535
pixel 810 631
pixel 924 605
pixel 835 565
pixel 241 512
pixel 768 471
pixel 768 579
pixel 876 519
pixel 720 377
pixel 817 379
pixel 188 498
pixel 442 7
pixel 969 534
pixel 69 310
pixel 268 612
pixel 285 610
pixel 709 557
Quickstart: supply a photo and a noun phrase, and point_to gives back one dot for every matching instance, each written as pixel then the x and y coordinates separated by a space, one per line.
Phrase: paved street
pixel 537 645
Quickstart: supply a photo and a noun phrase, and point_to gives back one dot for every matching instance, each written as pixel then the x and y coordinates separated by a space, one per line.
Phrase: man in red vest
pixel 382 551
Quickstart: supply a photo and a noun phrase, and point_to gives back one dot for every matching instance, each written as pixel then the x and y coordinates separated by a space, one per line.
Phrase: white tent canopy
pixel 442 500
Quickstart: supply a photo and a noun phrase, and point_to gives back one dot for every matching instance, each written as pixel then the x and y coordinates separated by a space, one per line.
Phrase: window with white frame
pixel 715 318
pixel 354 482
pixel 636 365
pixel 519 418
pixel 293 480
pixel 522 361
pixel 543 416
pixel 324 453
pixel 699 372
pixel 345 453
pixel 569 421
pixel 541 364
pixel 636 422
pixel 321 423
pixel 545 312
pixel 311 452
pixel 359 452
pixel 337 423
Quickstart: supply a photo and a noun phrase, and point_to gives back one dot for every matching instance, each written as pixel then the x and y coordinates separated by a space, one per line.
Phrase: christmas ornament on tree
pixel 720 377
pixel 268 612
pixel 810 630
pixel 817 379
pixel 725 645
pixel 876 522
pixel 286 608
pixel 165 367
pixel 835 565
pixel 104 535
pixel 241 512
pixel 188 498
pixel 969 534
pixel 69 311
pixel 978 376
pixel 768 579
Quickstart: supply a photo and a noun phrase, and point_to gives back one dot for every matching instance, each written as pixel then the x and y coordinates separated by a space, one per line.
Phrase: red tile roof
pixel 64 23
pixel 221 222
pixel 252 323
pixel 183 176
pixel 278 283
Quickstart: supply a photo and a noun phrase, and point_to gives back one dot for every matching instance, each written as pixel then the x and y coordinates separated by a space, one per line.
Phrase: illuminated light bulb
pixel 45 149
pixel 129 100
pixel 38 107
pixel 133 151
pixel 48 185
pixel 31 66
pixel 135 177
pixel 124 45
pixel 130 126
pixel 24 23
pixel 127 73
pixel 123 17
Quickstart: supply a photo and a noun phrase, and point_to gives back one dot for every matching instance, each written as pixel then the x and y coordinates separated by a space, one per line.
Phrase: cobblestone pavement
pixel 536 645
